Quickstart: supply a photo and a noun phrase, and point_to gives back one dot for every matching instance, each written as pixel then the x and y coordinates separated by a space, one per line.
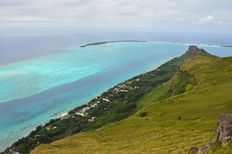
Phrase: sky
pixel 161 15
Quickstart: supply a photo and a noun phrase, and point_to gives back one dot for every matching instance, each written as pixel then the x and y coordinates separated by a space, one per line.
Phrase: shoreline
pixel 88 112
pixel 83 109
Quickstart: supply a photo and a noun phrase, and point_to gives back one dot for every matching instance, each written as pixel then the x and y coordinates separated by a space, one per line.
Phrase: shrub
pixel 143 114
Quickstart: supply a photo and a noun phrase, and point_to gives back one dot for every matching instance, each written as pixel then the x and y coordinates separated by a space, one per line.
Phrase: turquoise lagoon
pixel 36 90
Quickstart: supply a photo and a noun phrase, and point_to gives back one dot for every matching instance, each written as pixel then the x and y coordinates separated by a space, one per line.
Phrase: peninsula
pixel 170 109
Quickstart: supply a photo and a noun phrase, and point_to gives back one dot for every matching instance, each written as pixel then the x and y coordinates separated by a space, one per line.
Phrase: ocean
pixel 34 90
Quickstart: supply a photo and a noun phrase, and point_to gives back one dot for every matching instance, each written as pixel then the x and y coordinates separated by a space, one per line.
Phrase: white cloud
pixel 207 19
pixel 115 13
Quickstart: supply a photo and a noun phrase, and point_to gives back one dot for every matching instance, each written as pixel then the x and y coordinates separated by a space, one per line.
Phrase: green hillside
pixel 171 118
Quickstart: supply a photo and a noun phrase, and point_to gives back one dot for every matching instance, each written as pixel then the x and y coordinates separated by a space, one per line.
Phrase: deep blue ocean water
pixel 36 90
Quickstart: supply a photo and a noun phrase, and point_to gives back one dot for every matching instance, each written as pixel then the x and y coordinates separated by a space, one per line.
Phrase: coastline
pixel 87 113
pixel 81 110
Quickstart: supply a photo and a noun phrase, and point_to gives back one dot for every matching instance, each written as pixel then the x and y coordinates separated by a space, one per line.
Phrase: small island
pixel 227 46
pixel 106 42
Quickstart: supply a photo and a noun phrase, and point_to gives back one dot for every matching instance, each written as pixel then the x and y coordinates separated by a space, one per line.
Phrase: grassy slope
pixel 172 125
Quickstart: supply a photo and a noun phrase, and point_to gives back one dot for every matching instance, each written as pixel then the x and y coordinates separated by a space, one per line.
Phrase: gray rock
pixel 193 150
pixel 224 135
pixel 194 51
pixel 224 129
pixel 201 150
pixel 204 148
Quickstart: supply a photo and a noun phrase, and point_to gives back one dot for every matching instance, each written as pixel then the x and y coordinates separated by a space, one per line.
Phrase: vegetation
pixel 116 104
pixel 175 107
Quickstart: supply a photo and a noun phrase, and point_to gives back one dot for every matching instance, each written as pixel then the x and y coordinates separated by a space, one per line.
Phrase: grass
pixel 169 124
pixel 135 135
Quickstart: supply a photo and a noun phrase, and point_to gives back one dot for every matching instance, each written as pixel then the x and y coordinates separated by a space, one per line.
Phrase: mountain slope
pixel 176 115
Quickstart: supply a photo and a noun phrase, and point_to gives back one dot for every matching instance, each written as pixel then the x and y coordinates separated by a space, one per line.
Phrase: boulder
pixel 193 150
pixel 224 135
pixel 201 150
pixel 224 129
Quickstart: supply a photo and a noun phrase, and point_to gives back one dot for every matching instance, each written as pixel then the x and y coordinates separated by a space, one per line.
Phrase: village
pixel 124 87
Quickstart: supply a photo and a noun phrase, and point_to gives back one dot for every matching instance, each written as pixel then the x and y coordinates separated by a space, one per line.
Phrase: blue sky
pixel 162 15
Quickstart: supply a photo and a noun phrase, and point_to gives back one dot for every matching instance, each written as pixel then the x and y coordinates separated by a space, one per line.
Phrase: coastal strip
pixel 113 105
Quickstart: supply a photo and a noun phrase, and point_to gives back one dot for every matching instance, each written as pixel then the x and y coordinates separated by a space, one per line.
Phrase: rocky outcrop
pixel 224 135
pixel 202 149
pixel 224 129
pixel 194 51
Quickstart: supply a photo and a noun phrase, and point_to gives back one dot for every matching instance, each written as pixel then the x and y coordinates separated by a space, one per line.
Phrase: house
pixel 91 119
pixel 106 99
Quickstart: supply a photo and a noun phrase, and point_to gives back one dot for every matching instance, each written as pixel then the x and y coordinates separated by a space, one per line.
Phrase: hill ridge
pixel 193 50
